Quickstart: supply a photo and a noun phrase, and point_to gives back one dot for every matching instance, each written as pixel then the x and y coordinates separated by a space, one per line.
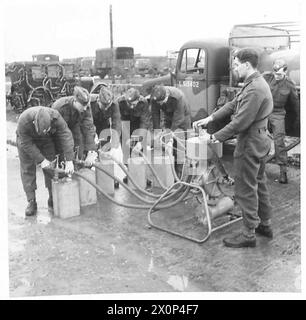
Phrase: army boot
pixel 265 231
pixel 240 241
pixel 31 208
pixel 283 174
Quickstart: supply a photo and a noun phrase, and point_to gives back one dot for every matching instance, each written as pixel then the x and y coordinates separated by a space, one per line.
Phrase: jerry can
pixel 66 198
pixel 199 148
pixel 105 182
pixel 162 166
pixel 88 193
pixel 137 169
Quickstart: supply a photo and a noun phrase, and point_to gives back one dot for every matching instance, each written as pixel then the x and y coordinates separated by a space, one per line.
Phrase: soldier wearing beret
pixel 284 97
pixel 77 113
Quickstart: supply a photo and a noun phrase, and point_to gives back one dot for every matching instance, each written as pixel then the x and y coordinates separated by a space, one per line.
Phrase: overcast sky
pixel 74 28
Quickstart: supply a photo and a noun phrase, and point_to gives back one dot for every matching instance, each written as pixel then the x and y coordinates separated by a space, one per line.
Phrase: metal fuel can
pixel 88 193
pixel 105 182
pixel 66 198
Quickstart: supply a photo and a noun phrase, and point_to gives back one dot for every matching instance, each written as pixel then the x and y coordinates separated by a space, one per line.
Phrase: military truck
pixel 119 61
pixel 204 67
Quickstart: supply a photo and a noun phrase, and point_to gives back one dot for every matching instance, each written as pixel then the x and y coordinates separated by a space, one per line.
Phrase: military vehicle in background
pixel 119 62
pixel 45 58
pixel 152 66
pixel 39 82
pixel 83 66
pixel 204 67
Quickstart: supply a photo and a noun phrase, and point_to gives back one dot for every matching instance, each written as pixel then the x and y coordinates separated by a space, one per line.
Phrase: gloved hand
pixel 137 147
pixel 45 163
pixel 91 157
pixel 203 122
pixel 69 168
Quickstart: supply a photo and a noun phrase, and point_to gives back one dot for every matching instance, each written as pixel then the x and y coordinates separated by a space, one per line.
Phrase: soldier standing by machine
pixel 176 111
pixel 41 134
pixel 76 112
pixel 284 95
pixel 250 110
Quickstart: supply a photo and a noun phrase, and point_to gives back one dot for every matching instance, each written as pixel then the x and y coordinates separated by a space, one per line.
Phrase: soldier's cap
pixel 81 95
pixel 42 121
pixel 279 64
pixel 159 93
pixel 132 95
pixel 106 96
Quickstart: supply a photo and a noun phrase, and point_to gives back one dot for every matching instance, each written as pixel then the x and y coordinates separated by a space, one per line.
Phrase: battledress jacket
pixel 105 118
pixel 284 93
pixel 29 140
pixel 250 110
pixel 176 111
pixel 139 116
pixel 80 123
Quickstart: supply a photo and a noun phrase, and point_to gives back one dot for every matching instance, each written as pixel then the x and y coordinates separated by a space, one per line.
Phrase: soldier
pixel 76 112
pixel 106 115
pixel 134 109
pixel 41 134
pixel 173 103
pixel 250 110
pixel 284 95
pixel 176 112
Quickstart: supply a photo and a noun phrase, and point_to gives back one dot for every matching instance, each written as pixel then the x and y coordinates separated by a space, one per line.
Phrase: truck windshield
pixel 193 61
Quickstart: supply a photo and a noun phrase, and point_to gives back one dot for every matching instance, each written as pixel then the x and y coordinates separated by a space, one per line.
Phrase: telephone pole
pixel 111 42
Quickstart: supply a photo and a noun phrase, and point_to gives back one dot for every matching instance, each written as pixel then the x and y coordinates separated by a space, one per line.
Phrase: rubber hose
pixel 136 185
pixel 153 171
pixel 129 189
pixel 128 205
pixel 132 180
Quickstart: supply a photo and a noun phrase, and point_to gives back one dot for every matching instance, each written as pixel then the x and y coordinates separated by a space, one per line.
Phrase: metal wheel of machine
pixel 210 181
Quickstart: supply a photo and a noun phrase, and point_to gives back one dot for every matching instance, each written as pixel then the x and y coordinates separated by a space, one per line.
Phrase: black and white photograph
pixel 152 150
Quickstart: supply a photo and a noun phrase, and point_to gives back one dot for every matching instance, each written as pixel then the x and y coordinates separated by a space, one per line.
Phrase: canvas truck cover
pixel 260 36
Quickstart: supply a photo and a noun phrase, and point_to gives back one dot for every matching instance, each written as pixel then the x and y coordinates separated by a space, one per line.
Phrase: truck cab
pixel 204 67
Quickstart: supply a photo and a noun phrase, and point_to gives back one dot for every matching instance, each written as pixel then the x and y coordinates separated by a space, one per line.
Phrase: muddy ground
pixel 111 249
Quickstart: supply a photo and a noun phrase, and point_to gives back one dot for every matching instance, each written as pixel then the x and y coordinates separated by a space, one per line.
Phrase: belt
pixel 260 129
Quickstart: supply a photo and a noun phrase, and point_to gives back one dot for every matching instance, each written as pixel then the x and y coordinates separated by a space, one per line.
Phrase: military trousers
pixel 28 166
pixel 251 190
pixel 277 126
